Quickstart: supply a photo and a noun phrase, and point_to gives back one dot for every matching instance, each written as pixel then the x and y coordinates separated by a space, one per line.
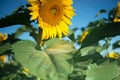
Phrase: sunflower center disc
pixel 53 11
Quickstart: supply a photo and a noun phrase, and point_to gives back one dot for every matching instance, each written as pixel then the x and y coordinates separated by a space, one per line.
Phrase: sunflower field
pixel 56 52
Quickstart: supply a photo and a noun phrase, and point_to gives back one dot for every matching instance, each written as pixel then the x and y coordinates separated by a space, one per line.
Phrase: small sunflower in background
pixel 53 16
pixel 114 55
pixel 83 36
pixel 26 71
pixel 117 13
pixel 3 58
pixel 3 37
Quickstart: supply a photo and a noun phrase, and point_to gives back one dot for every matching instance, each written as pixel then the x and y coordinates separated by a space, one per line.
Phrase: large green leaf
pixel 59 46
pixel 79 69
pixel 101 32
pixel 50 64
pixel 105 71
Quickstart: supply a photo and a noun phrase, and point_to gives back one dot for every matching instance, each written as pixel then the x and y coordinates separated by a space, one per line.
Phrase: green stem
pixel 39 38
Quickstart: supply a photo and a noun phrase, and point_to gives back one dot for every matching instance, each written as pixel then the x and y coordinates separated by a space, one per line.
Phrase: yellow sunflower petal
pixel 59 31
pixel 116 20
pixel 34 8
pixel 46 30
pixel 66 20
pixel 44 34
pixel 69 14
pixel 67 2
pixel 114 55
pixel 53 32
pixel 3 37
pixel 40 22
pixel 34 15
pixel 49 31
pixel 33 1
pixel 64 27
pixel 69 8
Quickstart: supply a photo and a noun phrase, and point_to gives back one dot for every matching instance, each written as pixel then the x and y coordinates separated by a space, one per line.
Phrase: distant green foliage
pixel 104 71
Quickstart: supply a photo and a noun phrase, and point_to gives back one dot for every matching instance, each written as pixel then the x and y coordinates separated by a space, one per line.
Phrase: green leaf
pixel 80 66
pixel 4 47
pixel 116 44
pixel 91 50
pixel 25 28
pixel 88 50
pixel 14 19
pixel 101 32
pixel 100 12
pixel 100 22
pixel 16 73
pixel 21 30
pixel 50 64
pixel 105 71
pixel 59 46
pixel 71 34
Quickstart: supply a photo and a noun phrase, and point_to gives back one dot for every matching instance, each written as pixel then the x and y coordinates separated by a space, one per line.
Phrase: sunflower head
pixel 53 16
pixel 117 13
pixel 3 37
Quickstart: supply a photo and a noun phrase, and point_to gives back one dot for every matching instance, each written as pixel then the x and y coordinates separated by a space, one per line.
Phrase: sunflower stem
pixel 39 38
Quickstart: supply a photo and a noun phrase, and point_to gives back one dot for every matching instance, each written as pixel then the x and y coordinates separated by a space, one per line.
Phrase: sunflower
pixel 84 34
pixel 114 55
pixel 53 16
pixel 3 37
pixel 26 71
pixel 117 13
pixel 3 58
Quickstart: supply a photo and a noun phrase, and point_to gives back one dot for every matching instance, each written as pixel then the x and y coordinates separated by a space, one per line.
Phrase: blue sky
pixel 85 12
pixel 87 9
